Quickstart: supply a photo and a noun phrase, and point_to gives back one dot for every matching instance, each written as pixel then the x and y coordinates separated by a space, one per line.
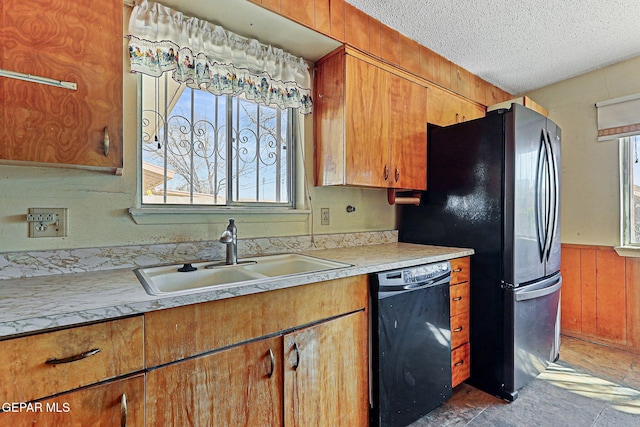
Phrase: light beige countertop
pixel 37 304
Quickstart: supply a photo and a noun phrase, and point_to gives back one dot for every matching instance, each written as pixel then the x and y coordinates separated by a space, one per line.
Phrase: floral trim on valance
pixel 206 56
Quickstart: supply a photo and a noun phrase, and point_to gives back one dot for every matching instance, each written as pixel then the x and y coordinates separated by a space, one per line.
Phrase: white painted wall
pixel 590 174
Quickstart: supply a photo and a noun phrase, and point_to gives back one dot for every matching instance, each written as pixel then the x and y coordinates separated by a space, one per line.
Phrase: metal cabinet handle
pixel 123 410
pixel 456 298
pixel 272 362
pixel 460 363
pixel 297 350
pixel 105 142
pixel 386 172
pixel 397 174
pixel 70 359
pixel 458 329
pixel 457 270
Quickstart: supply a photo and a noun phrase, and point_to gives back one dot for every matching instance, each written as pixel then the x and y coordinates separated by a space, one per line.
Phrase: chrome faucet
pixel 230 238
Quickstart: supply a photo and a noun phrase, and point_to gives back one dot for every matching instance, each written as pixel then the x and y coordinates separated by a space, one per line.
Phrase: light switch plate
pixel 47 222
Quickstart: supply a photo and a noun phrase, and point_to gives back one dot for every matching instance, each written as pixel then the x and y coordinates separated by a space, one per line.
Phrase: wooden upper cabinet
pixel 445 108
pixel 78 42
pixel 370 126
pixel 409 134
pixel 367 125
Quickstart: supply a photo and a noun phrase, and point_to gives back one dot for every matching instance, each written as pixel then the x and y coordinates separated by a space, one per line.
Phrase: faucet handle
pixel 226 237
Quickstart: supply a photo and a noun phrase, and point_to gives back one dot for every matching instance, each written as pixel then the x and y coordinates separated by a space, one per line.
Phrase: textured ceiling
pixel 518 45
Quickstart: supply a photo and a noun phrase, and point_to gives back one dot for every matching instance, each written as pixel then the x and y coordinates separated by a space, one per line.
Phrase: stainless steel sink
pixel 164 280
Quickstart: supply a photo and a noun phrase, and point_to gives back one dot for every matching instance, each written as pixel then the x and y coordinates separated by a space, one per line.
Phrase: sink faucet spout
pixel 230 238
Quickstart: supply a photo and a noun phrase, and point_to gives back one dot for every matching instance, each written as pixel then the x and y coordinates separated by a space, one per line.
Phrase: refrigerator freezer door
pixel 532 331
pixel 524 239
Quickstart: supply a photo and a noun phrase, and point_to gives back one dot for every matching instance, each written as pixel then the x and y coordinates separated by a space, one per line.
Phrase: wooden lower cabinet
pixel 238 386
pixel 115 403
pixel 459 293
pixel 325 381
pixel 325 375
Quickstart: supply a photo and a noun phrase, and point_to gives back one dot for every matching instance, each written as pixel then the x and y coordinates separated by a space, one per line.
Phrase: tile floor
pixel 590 385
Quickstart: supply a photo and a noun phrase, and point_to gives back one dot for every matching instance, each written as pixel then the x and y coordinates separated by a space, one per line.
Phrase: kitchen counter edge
pixel 46 303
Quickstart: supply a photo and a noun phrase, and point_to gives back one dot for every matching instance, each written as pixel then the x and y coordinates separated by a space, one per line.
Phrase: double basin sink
pixel 200 276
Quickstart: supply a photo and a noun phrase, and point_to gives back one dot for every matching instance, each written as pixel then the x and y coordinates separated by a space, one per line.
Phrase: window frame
pixel 626 175
pixel 295 166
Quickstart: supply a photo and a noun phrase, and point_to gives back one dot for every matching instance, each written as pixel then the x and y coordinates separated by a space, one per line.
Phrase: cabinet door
pixel 367 124
pixel 326 374
pixel 408 134
pixel 109 404
pixel 240 386
pixel 79 42
pixel 443 107
pixel 470 110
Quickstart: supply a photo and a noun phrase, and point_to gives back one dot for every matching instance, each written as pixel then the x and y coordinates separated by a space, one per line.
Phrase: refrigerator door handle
pixel 556 193
pixel 539 212
pixel 539 293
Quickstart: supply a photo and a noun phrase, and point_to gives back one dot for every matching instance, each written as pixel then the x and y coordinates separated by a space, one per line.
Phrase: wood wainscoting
pixel 601 296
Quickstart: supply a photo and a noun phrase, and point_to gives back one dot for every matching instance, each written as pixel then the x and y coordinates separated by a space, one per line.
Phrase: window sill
pixel 149 216
pixel 628 251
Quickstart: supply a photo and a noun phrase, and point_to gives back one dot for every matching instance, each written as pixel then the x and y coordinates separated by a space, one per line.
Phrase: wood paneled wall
pixel 601 296
pixel 347 24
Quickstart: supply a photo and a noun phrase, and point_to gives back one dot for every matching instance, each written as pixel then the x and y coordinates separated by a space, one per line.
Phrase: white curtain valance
pixel 618 117
pixel 206 56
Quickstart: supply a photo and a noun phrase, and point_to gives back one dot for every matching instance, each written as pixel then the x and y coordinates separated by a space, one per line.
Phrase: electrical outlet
pixel 47 222
pixel 324 216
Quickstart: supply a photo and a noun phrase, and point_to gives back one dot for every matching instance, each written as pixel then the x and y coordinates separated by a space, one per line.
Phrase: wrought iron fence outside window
pixel 214 150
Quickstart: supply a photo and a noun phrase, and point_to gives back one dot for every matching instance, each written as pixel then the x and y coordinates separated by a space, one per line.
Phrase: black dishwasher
pixel 410 343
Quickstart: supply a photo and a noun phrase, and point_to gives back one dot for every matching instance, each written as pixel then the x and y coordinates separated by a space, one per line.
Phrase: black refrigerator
pixel 494 186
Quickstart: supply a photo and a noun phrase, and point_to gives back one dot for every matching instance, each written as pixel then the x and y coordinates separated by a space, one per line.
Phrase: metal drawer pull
pixel 460 363
pixel 272 361
pixel 458 329
pixel 456 298
pixel 123 410
pixel 80 356
pixel 457 270
pixel 297 350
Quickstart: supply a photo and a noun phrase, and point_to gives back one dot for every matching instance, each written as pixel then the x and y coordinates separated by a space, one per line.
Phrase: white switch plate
pixel 47 222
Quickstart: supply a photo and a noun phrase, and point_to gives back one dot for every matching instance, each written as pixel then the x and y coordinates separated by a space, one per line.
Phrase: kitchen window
pixel 218 113
pixel 630 185
pixel 214 150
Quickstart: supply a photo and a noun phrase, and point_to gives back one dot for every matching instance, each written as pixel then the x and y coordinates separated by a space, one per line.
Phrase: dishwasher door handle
pixel 422 285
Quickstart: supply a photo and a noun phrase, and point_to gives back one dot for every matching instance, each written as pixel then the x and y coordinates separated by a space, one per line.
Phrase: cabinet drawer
pixel 49 363
pixel 460 365
pixel 459 330
pixel 459 295
pixel 460 270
